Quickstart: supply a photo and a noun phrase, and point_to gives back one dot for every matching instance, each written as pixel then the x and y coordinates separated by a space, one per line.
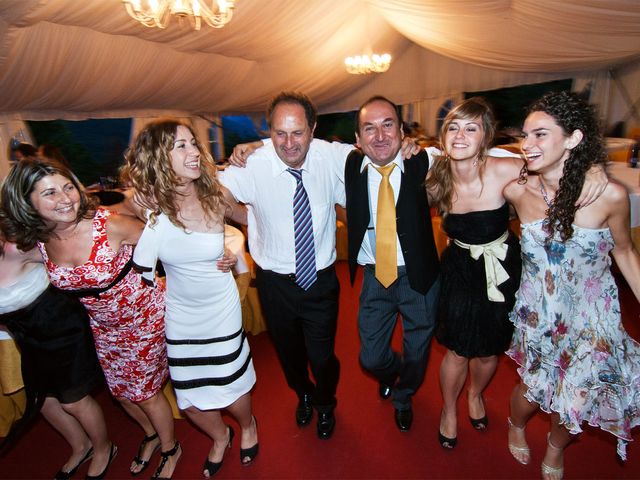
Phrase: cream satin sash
pixel 495 272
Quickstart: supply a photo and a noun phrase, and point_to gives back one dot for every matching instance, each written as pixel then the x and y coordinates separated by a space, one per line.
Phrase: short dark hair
pixel 377 98
pixel 293 98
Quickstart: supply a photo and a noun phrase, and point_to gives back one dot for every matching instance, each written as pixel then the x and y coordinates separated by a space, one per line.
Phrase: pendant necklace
pixel 543 191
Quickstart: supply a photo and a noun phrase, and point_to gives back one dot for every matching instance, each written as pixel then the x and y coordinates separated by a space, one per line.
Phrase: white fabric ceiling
pixel 88 58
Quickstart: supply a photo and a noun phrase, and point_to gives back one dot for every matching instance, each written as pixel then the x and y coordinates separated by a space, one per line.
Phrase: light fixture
pixel 158 13
pixel 363 64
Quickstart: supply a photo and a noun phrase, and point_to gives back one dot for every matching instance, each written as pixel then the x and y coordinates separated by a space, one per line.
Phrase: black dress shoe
pixel 404 418
pixel 384 391
pixel 304 411
pixel 326 424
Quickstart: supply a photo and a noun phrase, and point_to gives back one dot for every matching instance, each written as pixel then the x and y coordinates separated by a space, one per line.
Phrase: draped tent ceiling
pixel 79 59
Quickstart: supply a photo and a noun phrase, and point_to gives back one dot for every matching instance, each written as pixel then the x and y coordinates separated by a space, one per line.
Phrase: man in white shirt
pixel 301 313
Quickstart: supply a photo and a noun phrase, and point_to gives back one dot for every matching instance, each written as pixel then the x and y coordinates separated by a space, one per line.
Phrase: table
pixel 619 149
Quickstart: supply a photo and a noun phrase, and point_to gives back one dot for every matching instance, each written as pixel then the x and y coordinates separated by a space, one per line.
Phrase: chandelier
pixel 158 13
pixel 363 64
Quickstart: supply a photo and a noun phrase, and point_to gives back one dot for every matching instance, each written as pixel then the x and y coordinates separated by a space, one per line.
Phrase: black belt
pixel 95 292
pixel 292 276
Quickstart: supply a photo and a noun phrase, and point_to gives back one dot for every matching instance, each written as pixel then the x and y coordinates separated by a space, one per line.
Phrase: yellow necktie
pixel 386 251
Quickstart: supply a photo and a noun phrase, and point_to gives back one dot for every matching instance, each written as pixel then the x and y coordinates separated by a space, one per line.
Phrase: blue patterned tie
pixel 303 233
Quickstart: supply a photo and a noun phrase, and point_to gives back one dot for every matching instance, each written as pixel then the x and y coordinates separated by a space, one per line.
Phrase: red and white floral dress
pixel 127 319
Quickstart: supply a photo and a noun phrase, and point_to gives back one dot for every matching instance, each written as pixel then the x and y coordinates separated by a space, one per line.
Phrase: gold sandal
pixel 554 473
pixel 521 454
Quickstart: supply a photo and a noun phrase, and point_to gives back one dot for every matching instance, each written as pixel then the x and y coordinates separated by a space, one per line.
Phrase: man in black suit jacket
pixel 413 294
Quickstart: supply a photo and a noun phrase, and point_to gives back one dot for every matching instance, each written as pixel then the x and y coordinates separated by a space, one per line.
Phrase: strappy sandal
pixel 165 458
pixel 138 458
pixel 521 454
pixel 555 473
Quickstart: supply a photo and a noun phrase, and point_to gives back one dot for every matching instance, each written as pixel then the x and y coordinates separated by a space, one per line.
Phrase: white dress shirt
pixel 267 189
pixel 366 254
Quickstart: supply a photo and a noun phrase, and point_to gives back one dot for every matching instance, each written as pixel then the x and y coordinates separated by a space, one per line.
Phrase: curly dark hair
pixel 19 221
pixel 571 113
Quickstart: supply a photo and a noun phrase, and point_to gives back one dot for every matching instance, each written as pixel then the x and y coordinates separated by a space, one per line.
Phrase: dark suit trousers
pixel 379 309
pixel 302 325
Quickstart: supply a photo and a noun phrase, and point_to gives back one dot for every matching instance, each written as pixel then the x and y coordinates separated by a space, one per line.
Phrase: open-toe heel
pixel 165 458
pixel 248 455
pixel 113 451
pixel 213 467
pixel 480 423
pixel 521 454
pixel 138 458
pixel 62 475
pixel 555 473
pixel 446 442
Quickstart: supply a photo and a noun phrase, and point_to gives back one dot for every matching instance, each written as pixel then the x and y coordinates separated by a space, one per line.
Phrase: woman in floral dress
pixel 575 359
pixel 87 252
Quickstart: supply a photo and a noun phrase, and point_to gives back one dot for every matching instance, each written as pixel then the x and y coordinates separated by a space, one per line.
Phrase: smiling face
pixel 545 144
pixel 185 155
pixel 464 138
pixel 379 132
pixel 56 199
pixel 291 134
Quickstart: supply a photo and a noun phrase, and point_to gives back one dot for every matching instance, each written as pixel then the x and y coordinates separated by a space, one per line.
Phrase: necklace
pixel 543 191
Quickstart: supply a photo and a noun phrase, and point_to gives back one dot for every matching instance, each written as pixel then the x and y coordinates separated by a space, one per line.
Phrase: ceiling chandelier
pixel 363 64
pixel 158 13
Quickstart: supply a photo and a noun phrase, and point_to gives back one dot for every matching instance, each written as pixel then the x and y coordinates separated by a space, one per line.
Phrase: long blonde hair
pixel 148 168
pixel 440 179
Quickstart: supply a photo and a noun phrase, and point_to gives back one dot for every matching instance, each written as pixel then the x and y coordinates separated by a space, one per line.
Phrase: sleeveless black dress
pixel 58 355
pixel 468 322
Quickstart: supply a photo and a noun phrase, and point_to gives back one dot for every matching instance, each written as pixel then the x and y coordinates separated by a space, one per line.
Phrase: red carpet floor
pixel 366 443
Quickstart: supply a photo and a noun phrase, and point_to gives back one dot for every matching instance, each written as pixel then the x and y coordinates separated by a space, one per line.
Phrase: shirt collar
pixel 278 167
pixel 397 160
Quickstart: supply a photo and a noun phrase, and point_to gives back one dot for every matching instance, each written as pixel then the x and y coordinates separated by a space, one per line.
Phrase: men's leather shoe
pixel 326 424
pixel 304 411
pixel 404 419
pixel 384 391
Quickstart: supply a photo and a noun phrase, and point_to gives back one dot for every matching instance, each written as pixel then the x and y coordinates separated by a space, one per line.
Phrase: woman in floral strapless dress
pixel 87 252
pixel 575 360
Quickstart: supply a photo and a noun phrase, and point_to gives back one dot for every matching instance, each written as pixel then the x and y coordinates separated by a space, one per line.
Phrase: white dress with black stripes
pixel 209 358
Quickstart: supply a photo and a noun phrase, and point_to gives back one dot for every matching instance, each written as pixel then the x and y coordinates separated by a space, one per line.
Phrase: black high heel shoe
pixel 138 458
pixel 479 423
pixel 446 442
pixel 248 455
pixel 213 467
pixel 112 454
pixel 165 457
pixel 62 475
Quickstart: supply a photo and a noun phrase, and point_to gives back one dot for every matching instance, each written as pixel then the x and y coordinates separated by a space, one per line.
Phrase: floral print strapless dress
pixel 573 353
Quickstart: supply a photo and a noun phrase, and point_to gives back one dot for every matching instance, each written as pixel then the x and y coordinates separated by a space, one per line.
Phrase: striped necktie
pixel 303 234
